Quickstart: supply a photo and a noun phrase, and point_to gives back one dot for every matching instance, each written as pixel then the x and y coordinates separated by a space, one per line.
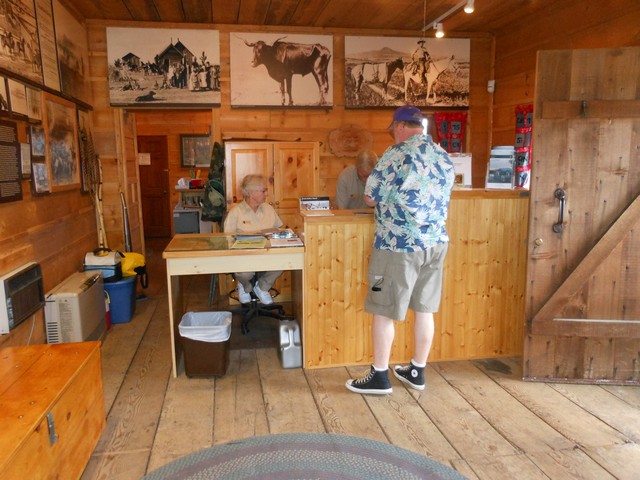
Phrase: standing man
pixel 351 181
pixel 410 188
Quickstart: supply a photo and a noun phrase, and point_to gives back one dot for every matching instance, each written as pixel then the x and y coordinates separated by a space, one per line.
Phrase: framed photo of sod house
pixel 161 67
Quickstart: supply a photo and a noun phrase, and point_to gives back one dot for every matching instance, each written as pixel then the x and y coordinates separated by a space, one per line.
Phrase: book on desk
pixel 249 242
pixel 276 239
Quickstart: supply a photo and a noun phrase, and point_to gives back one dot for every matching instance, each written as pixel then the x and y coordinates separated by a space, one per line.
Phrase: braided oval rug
pixel 304 456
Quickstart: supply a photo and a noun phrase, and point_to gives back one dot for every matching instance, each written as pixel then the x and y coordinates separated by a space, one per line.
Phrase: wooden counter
pixel 51 409
pixel 482 309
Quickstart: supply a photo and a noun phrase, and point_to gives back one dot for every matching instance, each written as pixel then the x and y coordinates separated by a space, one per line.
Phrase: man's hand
pixel 370 201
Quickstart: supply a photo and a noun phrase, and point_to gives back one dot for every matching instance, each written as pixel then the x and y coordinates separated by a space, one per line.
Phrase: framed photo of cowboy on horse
pixel 393 71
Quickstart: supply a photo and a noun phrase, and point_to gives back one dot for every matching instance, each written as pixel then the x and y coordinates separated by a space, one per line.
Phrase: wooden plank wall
pixel 54 230
pixel 567 24
pixel 282 124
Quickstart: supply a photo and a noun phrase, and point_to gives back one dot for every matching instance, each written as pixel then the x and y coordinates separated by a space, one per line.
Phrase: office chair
pixel 256 309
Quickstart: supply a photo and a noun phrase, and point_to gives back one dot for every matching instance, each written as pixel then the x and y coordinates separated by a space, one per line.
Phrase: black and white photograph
pixel 281 69
pixel 20 52
pixel 393 71
pixel 48 48
pixel 73 54
pixel 159 67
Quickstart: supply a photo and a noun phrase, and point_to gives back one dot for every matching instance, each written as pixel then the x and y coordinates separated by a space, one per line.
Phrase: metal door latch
pixel 53 436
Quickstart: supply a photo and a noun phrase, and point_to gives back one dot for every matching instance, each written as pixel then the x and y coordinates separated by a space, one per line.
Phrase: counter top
pixel 366 215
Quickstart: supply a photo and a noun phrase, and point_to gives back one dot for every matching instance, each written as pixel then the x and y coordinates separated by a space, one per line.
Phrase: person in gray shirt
pixel 351 182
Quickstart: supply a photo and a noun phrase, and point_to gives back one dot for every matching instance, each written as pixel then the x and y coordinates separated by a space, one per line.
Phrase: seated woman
pixel 250 216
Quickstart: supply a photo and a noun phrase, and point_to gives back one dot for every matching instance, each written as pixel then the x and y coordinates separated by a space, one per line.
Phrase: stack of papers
pixel 285 238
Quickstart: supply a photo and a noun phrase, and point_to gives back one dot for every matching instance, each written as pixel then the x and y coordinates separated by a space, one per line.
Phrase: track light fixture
pixel 469 7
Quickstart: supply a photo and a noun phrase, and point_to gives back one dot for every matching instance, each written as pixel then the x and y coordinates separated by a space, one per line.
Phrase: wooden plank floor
pixel 476 416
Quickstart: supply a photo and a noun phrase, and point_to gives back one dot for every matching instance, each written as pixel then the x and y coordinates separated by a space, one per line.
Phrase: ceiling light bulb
pixel 439 30
pixel 468 8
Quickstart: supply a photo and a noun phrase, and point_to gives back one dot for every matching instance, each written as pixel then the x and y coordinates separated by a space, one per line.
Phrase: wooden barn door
pixel 583 271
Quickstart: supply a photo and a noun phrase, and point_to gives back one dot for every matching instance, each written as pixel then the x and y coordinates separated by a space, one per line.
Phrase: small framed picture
pixel 37 137
pixel 25 158
pixel 40 178
pixel 194 151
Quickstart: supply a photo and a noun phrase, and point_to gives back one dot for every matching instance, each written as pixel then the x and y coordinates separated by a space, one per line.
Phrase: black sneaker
pixel 411 375
pixel 376 383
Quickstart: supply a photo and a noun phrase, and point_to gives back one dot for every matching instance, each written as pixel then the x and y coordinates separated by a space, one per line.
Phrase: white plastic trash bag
pixel 206 326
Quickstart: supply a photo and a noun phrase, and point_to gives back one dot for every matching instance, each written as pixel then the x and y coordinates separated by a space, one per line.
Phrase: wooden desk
pixel 196 254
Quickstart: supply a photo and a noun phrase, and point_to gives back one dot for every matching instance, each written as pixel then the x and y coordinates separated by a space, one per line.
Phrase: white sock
pixel 380 369
pixel 416 364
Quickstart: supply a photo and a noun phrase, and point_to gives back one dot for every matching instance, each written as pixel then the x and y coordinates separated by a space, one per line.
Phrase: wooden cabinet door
pixel 583 271
pixel 295 172
pixel 244 158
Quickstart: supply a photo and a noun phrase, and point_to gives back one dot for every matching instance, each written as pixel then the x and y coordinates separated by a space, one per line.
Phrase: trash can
pixel 205 341
pixel 122 299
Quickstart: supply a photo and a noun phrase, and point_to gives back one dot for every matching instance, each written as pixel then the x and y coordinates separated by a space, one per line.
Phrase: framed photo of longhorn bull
pixel 393 71
pixel 281 70
pixel 163 67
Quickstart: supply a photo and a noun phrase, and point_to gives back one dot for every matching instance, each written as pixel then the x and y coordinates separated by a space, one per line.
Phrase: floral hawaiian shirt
pixel 412 184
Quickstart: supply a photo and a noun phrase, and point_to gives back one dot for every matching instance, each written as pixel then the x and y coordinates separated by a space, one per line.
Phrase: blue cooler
pixel 122 299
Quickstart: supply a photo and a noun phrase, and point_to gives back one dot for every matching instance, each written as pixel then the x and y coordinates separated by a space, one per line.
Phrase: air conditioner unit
pixel 75 309
pixel 21 295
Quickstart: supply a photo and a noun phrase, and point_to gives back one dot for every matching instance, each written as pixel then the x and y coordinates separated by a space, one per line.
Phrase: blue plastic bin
pixel 122 299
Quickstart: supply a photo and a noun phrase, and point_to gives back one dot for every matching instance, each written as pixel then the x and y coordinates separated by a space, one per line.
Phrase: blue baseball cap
pixel 407 113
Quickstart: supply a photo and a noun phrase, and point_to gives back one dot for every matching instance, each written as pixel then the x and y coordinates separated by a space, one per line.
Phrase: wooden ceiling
pixel 490 15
